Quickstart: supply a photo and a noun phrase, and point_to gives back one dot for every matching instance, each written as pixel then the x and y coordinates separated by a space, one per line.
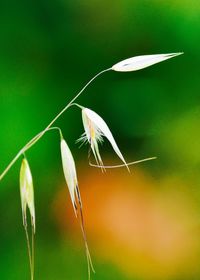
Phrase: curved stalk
pixel 35 139
pixel 79 93
pixel 24 149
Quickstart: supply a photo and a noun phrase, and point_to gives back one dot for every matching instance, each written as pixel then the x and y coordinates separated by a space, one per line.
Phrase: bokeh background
pixel 142 225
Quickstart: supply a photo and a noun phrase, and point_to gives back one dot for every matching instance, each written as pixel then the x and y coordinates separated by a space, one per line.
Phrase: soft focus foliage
pixel 143 225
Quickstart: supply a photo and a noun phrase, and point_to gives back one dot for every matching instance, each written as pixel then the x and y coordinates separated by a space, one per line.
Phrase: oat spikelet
pixel 143 61
pixel 27 201
pixel 95 129
pixel 69 170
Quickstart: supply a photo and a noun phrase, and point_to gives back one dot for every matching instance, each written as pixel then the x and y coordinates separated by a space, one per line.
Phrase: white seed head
pixel 72 183
pixel 95 128
pixel 27 192
pixel 139 62
pixel 69 170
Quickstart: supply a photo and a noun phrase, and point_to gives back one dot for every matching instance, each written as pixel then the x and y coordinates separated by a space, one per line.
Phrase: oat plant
pixel 95 130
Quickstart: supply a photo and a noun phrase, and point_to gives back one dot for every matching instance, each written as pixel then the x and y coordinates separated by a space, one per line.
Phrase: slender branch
pixel 24 149
pixel 36 138
pixel 79 93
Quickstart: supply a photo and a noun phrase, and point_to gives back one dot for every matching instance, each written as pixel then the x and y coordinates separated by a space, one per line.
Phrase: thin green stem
pixel 73 99
pixel 77 105
pixel 24 149
pixel 33 250
pixel 29 251
pixel 58 128
pixel 36 138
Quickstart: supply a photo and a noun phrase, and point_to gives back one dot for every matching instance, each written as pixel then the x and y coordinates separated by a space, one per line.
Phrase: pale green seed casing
pixel 27 192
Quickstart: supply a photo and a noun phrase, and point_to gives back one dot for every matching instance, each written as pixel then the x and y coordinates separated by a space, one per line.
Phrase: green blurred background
pixel 143 225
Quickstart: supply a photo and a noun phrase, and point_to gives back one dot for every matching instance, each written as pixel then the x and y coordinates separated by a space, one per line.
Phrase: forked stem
pixel 36 138
pixel 73 99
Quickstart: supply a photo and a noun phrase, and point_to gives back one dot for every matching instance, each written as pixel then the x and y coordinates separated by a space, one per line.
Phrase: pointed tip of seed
pixel 179 53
